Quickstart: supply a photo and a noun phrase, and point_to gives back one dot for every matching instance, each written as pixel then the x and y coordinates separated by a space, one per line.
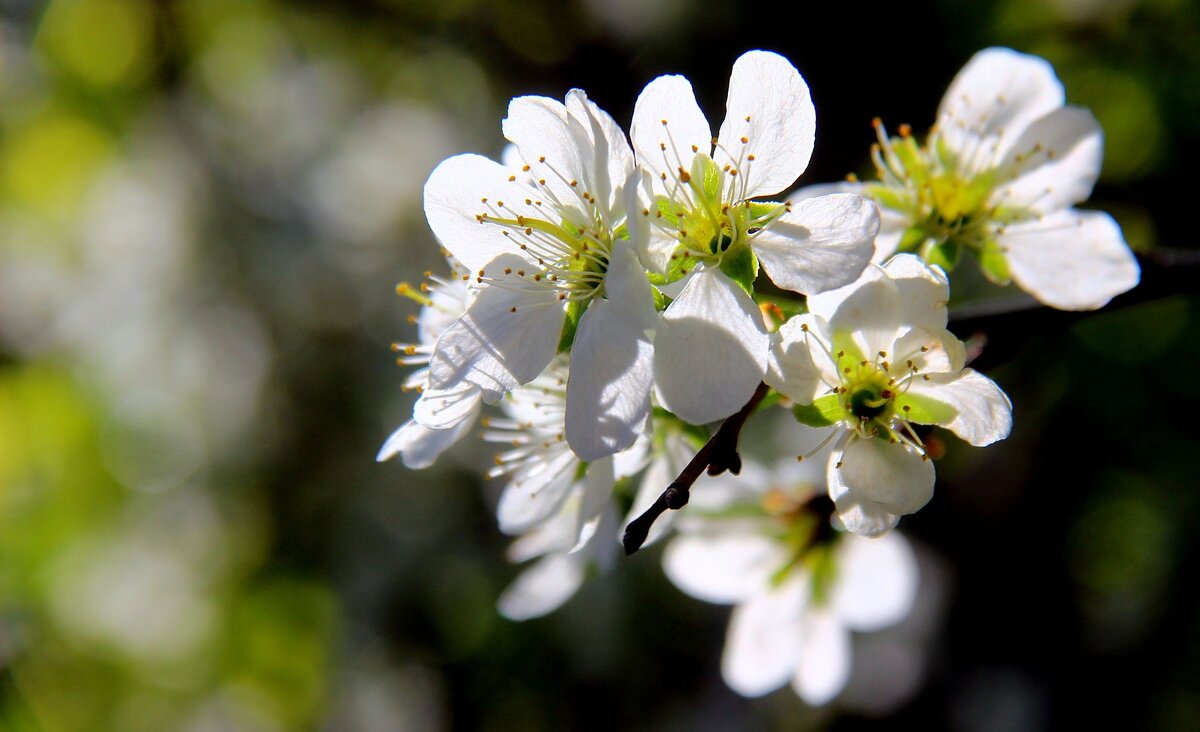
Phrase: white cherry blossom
pixel 699 216
pixel 868 361
pixel 998 176
pixel 562 508
pixel 453 411
pixel 544 243
pixel 765 543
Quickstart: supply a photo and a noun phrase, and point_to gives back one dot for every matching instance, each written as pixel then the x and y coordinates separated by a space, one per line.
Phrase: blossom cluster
pixel 607 298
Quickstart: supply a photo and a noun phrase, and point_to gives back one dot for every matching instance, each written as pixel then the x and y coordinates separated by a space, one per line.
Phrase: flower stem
pixel 718 455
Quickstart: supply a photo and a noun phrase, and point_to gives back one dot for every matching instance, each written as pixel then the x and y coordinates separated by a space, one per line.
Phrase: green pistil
pixel 869 403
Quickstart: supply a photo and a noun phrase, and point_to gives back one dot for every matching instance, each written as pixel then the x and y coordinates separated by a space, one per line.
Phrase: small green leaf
pixel 821 413
pixel 994 263
pixel 740 265
pixel 924 410
pixel 571 324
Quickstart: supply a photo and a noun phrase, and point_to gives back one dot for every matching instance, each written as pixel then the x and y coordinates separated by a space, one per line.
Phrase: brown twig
pixel 718 455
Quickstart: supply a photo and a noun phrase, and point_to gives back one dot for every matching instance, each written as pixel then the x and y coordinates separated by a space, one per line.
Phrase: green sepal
pixel 821 413
pixel 886 197
pixel 912 239
pixel 667 209
pixel 675 269
pixel 788 306
pixel 571 324
pixel 924 410
pixel 944 254
pixel 994 263
pixel 763 210
pixel 661 301
pixel 741 265
pixel 706 177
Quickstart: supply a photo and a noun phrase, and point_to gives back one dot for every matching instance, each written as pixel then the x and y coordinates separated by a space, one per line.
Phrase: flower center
pixel 869 396
pixel 703 210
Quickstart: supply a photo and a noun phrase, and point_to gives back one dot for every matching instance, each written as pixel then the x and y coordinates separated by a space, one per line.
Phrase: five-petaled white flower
pixel 870 359
pixel 443 301
pixel 764 541
pixel 544 243
pixel 698 218
pixel 998 176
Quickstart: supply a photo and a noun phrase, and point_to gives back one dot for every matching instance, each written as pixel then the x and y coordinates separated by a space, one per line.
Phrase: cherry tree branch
pixel 718 455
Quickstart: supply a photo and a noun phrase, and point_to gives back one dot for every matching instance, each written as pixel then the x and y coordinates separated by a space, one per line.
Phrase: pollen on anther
pixel 508 270
pixel 542 159
pixel 750 156
pixel 512 178
pixel 528 231
pixel 838 465
pixel 513 309
pixel 664 123
pixel 662 146
pixel 745 140
pixel 695 149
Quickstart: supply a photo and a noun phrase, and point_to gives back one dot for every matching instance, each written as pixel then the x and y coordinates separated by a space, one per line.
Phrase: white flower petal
pixel 1072 260
pixel 1054 163
pixel 768 106
pixel 534 495
pixel 558 534
pixel 991 101
pixel 790 366
pixel 454 197
pixel 685 132
pixel 876 582
pixel 608 391
pixel 611 161
pixel 825 304
pixel 723 567
pixel 924 290
pixel 710 351
pixel 597 493
pixel 874 470
pixel 419 446
pixel 443 409
pixel 542 588
pixel 612 364
pixel 983 410
pixel 870 311
pixel 866 518
pixel 824 665
pixel 507 336
pixel 820 244
pixel 762 647
pixel 549 140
